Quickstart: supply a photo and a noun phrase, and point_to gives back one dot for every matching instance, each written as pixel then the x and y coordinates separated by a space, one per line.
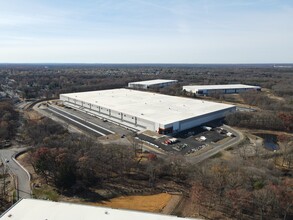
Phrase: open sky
pixel 146 31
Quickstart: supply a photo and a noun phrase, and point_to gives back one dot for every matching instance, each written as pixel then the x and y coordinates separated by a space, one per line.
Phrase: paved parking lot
pixel 189 141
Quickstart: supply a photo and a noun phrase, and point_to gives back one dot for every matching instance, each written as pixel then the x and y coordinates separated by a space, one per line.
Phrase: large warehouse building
pixel 156 83
pixel 145 110
pixel 223 89
pixel 33 209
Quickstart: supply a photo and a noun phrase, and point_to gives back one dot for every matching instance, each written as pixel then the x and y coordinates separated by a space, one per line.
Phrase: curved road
pixel 23 178
pixel 239 137
pixel 205 155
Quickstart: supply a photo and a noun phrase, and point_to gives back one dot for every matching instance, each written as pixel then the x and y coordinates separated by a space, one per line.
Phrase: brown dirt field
pixel 150 203
pixel 226 155
pixel 152 134
pixel 114 139
pixel 272 96
pixel 280 164
pixel 172 204
pixel 33 115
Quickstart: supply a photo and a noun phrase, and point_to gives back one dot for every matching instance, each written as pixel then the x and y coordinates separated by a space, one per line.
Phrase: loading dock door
pixel 187 124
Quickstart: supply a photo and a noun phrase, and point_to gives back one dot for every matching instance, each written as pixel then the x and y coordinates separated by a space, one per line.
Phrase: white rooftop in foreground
pixel 226 86
pixel 154 81
pixel 163 109
pixel 32 209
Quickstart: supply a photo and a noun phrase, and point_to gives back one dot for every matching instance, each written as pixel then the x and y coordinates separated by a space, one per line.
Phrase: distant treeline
pixel 47 80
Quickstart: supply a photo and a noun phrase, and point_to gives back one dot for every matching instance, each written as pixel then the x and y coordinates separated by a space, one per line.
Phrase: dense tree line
pixel 39 131
pixel 264 102
pixel 242 189
pixel 262 120
pixel 274 114
pixel 81 164
pixel 73 163
pixel 35 81
pixel 8 120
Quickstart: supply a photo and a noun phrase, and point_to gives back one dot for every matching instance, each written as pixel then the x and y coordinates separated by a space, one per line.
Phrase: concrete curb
pixel 14 159
pixel 28 174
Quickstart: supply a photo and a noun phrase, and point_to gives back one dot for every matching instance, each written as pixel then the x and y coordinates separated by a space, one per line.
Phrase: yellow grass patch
pixel 226 155
pixel 150 203
pixel 33 115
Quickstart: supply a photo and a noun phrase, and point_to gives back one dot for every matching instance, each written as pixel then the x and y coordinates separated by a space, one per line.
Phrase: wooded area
pixel 8 120
pixel 257 186
pixel 74 163
pixel 36 81
pixel 244 187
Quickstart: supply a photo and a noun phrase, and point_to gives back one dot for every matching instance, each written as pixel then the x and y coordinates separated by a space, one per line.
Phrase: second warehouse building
pixel 152 84
pixel 220 89
pixel 145 110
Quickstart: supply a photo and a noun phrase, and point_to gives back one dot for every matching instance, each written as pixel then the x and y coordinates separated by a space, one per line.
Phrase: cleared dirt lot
pixel 150 203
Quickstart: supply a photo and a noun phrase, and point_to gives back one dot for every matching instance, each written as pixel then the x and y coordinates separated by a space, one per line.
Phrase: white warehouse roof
pixel 32 209
pixel 154 82
pixel 163 109
pixel 227 86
